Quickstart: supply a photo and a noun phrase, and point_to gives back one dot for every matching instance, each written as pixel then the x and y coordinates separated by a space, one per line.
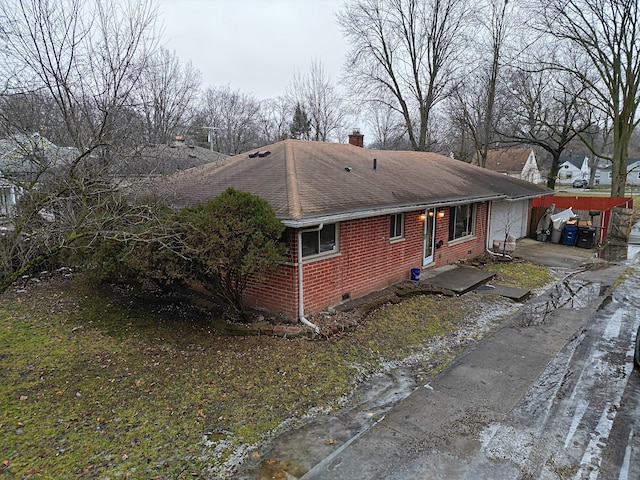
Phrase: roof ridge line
pixel 292 180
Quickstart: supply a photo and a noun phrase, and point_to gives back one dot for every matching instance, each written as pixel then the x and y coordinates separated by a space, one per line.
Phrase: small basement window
pixel 396 226
pixel 320 242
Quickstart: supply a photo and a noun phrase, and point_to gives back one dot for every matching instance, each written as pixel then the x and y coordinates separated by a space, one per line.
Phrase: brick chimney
pixel 357 139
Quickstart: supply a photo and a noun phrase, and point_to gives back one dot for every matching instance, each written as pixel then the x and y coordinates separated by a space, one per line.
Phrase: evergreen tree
pixel 301 125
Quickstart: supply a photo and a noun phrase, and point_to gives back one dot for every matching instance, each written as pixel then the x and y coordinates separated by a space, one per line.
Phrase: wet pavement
pixel 534 399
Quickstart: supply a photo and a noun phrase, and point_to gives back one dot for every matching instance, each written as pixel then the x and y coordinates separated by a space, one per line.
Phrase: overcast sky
pixel 254 46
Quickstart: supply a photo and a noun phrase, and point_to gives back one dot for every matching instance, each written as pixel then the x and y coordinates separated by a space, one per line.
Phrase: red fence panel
pixel 582 205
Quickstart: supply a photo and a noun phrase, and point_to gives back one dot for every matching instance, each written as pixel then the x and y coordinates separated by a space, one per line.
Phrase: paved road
pixel 551 395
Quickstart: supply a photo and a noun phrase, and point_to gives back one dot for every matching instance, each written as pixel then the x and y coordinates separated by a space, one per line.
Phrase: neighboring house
pixel 633 171
pixel 602 175
pixel 572 167
pixel 22 158
pixel 153 161
pixel 359 220
pixel 516 162
pixel 603 172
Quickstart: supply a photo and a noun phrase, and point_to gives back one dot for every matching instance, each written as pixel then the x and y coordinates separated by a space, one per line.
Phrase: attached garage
pixel 509 217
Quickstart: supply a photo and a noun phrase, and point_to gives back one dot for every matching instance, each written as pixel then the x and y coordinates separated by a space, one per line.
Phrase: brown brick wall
pixel 451 252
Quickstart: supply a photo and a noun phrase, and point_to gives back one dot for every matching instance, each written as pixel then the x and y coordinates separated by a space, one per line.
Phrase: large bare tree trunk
pixel 607 34
pixel 619 162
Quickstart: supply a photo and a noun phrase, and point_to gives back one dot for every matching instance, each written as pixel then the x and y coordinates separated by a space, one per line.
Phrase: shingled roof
pixel 509 160
pixel 309 182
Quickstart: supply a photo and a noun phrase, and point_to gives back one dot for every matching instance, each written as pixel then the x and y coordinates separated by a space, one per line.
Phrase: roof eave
pixel 314 220
pixel 530 196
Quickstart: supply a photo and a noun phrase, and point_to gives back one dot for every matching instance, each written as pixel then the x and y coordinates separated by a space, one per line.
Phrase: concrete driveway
pixel 489 413
pixel 558 255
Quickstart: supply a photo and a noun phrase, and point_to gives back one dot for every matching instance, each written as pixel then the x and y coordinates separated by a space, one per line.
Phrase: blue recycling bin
pixel 415 274
pixel 570 235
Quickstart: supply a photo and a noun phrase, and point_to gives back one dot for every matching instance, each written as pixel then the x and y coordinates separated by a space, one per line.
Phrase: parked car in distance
pixel 580 183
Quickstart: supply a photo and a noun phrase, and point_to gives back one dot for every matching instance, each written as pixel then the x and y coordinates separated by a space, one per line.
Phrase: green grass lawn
pixel 97 385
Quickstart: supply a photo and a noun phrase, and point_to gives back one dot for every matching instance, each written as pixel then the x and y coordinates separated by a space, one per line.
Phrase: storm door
pixel 429 235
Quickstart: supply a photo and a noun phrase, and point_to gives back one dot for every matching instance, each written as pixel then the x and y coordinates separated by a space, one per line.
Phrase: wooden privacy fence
pixel 621 223
pixel 615 213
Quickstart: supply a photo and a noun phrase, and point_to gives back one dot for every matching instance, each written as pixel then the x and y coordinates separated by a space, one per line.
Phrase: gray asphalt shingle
pixel 304 180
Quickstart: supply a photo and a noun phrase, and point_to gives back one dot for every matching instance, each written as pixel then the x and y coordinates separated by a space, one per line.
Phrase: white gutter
pixel 488 235
pixel 372 212
pixel 301 316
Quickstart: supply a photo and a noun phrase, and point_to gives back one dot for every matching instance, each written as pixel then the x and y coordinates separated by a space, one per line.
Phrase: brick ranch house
pixel 359 220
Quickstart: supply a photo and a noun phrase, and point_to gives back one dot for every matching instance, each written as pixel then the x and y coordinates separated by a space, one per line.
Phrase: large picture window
pixel 320 241
pixel 462 221
pixel 396 225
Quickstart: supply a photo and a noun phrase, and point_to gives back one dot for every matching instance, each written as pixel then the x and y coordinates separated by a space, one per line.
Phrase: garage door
pixel 508 217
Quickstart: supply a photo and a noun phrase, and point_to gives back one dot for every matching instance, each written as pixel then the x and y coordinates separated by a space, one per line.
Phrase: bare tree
pixel 274 120
pixel 549 110
pixel 607 34
pixel 478 95
pixel 408 51
pixel 457 141
pixel 320 100
pixel 167 91
pixel 388 129
pixel 86 58
pixel 30 112
pixel 232 118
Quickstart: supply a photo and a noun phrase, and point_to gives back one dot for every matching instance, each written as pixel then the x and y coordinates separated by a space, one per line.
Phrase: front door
pixel 429 235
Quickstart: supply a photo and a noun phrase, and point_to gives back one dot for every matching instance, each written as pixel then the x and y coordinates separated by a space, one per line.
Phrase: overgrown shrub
pixel 219 245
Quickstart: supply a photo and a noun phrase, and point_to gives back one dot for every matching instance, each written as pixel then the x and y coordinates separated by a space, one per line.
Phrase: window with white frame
pixel 318 242
pixel 462 221
pixel 396 226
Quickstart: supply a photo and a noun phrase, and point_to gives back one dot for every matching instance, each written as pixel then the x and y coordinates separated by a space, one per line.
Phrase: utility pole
pixel 210 135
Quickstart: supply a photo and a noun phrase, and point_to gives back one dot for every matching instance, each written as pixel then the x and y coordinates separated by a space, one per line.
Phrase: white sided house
pixel 516 162
pixel 573 167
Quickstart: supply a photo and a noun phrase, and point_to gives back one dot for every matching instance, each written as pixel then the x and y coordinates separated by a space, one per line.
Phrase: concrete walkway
pixel 459 280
